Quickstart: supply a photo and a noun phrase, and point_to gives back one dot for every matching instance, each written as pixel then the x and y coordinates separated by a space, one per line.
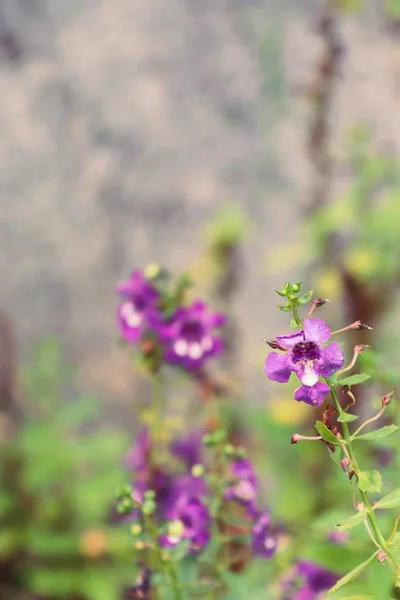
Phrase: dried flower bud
pixel 351 474
pixel 386 399
pixel 363 326
pixel 295 438
pixel 360 348
pixel 272 344
pixel 381 556
pixel 320 301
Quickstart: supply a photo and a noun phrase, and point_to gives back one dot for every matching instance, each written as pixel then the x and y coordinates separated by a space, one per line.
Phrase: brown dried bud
pixel 360 348
pixel 363 326
pixel 386 399
pixel 351 474
pixel 320 301
pixel 148 346
pixel 273 344
pixel 294 439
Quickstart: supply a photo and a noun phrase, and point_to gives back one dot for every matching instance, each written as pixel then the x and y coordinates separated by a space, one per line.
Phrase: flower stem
pixel 364 496
pixel 296 316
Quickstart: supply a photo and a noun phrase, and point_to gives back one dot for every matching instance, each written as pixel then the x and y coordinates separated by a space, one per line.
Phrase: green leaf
pixel 378 434
pixel 391 500
pixel 293 324
pixel 352 574
pixel 370 481
pixel 347 418
pixel 354 379
pixel 285 308
pixel 306 298
pixel 395 542
pixel 326 433
pixel 352 521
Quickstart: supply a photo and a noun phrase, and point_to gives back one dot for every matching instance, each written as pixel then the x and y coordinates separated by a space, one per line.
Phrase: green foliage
pixel 369 481
pixel 378 434
pixel 58 475
pixel 352 521
pixel 355 379
pixel 352 574
pixel 326 433
pixel 391 500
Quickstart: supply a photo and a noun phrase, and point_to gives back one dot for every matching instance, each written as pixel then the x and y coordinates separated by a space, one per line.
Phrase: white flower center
pixel 176 530
pixel 181 347
pixel 244 490
pixel 269 543
pixel 195 351
pixel 310 377
pixel 130 314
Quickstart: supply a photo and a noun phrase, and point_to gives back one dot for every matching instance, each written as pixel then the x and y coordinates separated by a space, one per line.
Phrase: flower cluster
pixel 183 497
pixel 166 329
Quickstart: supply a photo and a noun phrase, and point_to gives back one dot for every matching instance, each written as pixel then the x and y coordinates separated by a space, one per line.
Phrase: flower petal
pixel 316 330
pixel 313 395
pixel 332 359
pixel 291 339
pixel 277 367
pixel 308 371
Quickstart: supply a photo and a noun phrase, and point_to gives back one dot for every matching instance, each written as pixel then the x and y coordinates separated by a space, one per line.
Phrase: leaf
pixel 285 308
pixel 369 481
pixel 378 434
pixel 347 418
pixel 326 433
pixel 352 521
pixel 354 379
pixel 395 542
pixel 352 574
pixel 391 500
pixel 306 298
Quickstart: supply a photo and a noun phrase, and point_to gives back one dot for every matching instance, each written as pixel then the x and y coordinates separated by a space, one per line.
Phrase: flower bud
pixel 149 494
pixel 345 463
pixel 386 399
pixel 320 301
pixel 136 529
pixel 125 491
pixel 295 438
pixel 197 470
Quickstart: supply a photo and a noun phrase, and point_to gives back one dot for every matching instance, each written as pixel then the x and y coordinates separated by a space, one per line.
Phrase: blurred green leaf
pixel 391 500
pixel 326 433
pixel 347 417
pixel 370 481
pixel 378 434
pixel 306 298
pixel 352 574
pixel 354 379
pixel 352 521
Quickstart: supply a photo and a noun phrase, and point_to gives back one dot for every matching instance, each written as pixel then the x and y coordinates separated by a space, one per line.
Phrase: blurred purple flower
pixel 339 537
pixel 189 448
pixel 190 336
pixel 140 297
pixel 189 519
pixel 244 489
pixel 308 358
pixel 309 581
pixel 263 540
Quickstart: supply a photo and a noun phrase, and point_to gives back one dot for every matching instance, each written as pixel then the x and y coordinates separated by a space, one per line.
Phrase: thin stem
pixel 395 526
pixel 364 496
pixel 377 416
pixel 296 316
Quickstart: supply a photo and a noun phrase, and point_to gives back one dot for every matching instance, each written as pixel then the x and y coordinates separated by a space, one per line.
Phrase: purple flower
pixel 309 581
pixel 190 336
pixel 137 458
pixel 189 519
pixel 263 540
pixel 306 355
pixel 140 297
pixel 188 448
pixel 244 489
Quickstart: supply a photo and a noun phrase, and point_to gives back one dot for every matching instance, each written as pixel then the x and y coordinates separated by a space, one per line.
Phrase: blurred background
pixel 246 141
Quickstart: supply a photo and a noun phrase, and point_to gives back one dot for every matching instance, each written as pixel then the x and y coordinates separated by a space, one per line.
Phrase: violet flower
pixel 189 519
pixel 263 540
pixel 306 355
pixel 189 448
pixel 309 581
pixel 190 336
pixel 140 297
pixel 244 489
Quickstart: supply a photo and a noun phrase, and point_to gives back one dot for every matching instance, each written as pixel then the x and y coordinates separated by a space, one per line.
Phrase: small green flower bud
pixel 149 508
pixel 229 450
pixel 219 436
pixel 152 271
pixel 207 440
pixel 295 288
pixel 149 494
pixel 124 491
pixel 125 506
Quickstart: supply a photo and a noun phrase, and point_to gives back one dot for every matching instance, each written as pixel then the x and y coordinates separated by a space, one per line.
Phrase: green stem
pixel 158 407
pixel 364 496
pixel 296 316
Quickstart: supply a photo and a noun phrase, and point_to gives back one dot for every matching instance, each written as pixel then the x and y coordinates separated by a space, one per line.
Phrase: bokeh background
pixel 138 131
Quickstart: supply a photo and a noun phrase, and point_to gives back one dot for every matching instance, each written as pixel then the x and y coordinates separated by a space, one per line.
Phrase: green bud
pixel 219 436
pixel 124 491
pixel 149 494
pixel 229 450
pixel 207 440
pixel 197 470
pixel 149 508
pixel 125 506
pixel 295 288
